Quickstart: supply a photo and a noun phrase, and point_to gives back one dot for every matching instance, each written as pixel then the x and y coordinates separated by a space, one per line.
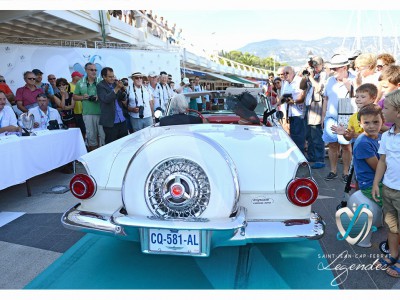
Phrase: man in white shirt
pixel 294 96
pixel 154 88
pixel 164 92
pixel 8 121
pixel 201 102
pixel 43 114
pixel 140 104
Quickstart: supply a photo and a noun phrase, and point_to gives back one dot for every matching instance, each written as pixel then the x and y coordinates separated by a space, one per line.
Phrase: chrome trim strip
pixel 261 231
pixel 201 224
pixel 84 221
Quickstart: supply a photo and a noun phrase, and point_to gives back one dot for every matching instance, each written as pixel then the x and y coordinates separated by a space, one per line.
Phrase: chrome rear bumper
pixel 221 232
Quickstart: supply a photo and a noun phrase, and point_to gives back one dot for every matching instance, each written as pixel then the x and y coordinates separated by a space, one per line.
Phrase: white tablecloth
pixel 24 157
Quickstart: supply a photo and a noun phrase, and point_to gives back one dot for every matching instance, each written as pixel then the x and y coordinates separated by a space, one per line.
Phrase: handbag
pixel 346 107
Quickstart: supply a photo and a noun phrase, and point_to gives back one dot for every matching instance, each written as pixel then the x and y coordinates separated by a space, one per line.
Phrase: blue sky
pixel 232 29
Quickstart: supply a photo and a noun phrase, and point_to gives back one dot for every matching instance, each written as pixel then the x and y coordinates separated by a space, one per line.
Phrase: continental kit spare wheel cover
pixel 181 176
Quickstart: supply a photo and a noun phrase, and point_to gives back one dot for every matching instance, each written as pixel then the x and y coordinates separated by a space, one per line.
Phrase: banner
pixel 16 59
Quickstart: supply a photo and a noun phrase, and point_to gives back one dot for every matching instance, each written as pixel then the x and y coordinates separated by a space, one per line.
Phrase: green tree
pixel 250 59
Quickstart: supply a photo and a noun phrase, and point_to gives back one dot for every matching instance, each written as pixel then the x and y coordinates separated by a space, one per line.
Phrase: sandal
pixel 383 263
pixel 393 270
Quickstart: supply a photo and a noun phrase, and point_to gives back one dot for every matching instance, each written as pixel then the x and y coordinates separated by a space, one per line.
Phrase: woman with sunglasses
pixel 67 103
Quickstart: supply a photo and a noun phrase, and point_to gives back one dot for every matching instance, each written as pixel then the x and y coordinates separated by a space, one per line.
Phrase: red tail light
pixel 82 186
pixel 302 191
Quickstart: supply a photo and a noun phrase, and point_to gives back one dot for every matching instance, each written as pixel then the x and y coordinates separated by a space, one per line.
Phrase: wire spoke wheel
pixel 177 188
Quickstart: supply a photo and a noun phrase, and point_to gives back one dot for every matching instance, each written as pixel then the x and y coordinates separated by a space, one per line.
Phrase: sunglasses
pixel 2 81
pixel 334 69
pixel 380 66
pixel 93 70
pixel 30 78
pixel 138 77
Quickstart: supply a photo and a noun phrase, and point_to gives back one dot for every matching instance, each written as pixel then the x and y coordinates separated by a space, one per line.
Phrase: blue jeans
pixel 298 132
pixel 316 146
pixel 138 124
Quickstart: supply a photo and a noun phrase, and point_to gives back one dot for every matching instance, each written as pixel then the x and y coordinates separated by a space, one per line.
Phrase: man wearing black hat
pixel 244 105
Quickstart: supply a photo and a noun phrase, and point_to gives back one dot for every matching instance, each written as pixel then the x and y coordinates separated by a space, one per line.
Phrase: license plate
pixel 172 240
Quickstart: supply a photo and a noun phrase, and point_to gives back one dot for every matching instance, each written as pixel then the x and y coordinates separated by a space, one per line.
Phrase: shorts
pixel 368 193
pixel 391 208
pixel 94 130
pixel 328 136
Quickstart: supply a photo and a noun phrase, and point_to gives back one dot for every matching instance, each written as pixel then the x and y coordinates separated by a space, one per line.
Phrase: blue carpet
pixel 99 262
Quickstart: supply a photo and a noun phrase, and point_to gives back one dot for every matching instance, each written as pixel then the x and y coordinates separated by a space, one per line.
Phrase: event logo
pixel 354 225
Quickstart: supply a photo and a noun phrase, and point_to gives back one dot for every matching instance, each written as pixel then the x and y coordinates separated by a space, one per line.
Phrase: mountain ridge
pixel 295 52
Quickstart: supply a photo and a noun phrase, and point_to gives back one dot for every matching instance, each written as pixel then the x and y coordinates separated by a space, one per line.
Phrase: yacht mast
pixel 358 31
pixel 380 33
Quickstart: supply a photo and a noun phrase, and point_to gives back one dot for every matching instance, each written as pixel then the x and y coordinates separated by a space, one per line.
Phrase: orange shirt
pixel 5 88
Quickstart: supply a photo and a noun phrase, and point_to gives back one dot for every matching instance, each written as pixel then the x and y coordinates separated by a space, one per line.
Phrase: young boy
pixel 365 150
pixel 389 81
pixel 365 94
pixel 389 165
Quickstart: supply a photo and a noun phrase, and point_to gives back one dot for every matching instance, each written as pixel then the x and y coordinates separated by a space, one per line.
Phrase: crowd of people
pixel 312 101
pixel 104 108
pixel 150 24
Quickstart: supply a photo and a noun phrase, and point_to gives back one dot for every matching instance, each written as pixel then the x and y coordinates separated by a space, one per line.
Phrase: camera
pixel 53 124
pixel 92 98
pixel 311 64
pixel 125 82
pixel 141 111
pixel 286 98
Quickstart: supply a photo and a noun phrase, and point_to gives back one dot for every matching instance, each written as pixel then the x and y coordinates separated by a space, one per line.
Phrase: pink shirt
pixel 27 96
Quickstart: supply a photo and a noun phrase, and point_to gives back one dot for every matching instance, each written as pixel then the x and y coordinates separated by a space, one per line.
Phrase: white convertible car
pixel 185 189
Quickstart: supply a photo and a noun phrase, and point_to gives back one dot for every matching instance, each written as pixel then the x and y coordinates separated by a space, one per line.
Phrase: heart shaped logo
pixel 354 217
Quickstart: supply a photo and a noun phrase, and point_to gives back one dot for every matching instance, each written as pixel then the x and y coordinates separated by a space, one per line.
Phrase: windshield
pixel 217 104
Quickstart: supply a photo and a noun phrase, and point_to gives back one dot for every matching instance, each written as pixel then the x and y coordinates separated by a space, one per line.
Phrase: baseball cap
pixel 76 73
pixel 36 71
pixel 185 80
